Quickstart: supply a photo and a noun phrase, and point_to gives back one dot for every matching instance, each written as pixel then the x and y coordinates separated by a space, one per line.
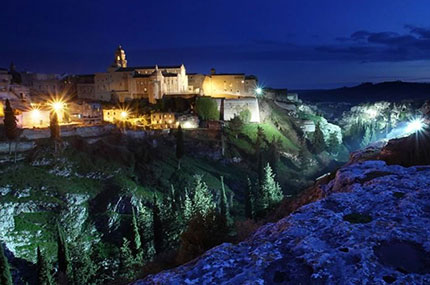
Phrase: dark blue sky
pixel 289 43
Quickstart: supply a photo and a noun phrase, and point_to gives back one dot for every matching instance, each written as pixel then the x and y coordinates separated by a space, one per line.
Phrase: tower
pixel 119 60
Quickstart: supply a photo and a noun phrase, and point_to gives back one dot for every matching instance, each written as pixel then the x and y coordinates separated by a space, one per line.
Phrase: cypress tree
pixel 223 200
pixel 157 227
pixel 126 260
pixel 188 207
pixel 63 254
pixel 179 146
pixel 172 198
pixel 260 168
pixel 169 219
pixel 271 190
pixel 5 275
pixel 318 140
pixel 84 269
pixel 54 127
pixel 274 155
pixel 202 200
pixel 136 240
pixel 248 200
pixel 10 126
pixel 44 276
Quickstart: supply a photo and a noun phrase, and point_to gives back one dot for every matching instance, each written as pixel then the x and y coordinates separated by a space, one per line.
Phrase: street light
pixel 259 90
pixel 124 115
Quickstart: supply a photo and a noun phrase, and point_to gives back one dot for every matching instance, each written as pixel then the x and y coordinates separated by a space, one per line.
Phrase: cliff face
pixel 372 228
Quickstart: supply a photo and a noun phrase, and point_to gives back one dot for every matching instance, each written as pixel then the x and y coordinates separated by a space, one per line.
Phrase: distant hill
pixel 370 92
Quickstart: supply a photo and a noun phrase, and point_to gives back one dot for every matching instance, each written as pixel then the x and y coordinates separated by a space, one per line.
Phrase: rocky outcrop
pixel 372 227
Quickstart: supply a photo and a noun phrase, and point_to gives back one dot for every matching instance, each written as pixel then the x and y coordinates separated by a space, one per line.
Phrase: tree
pixel 223 201
pixel 245 116
pixel 127 261
pixel 136 240
pixel 44 276
pixel 235 125
pixel 145 222
pixel 5 276
pixel 274 155
pixel 249 213
pixel 261 138
pixel 84 268
pixel 260 167
pixel 170 221
pixel 179 145
pixel 272 192
pixel 318 140
pixel 55 130
pixel 188 206
pixel 10 126
pixel 207 108
pixel 202 233
pixel 333 142
pixel 157 227
pixel 63 255
pixel 202 200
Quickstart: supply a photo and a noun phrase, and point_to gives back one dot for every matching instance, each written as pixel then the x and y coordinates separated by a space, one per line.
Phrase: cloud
pixel 414 44
pixel 423 33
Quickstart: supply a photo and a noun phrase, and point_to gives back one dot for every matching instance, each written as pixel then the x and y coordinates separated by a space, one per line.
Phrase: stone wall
pixel 233 107
pixel 20 147
pixel 90 131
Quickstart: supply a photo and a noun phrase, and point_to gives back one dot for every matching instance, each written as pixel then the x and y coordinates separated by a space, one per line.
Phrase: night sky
pixel 286 43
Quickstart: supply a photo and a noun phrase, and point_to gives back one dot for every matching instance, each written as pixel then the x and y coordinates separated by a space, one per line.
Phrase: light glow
pixel 35 115
pixel 124 115
pixel 415 126
pixel 259 90
pixel 57 106
pixel 187 125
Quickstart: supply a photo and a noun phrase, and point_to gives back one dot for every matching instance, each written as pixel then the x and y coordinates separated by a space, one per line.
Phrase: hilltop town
pixel 146 97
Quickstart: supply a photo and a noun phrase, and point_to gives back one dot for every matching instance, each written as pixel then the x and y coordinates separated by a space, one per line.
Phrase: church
pixel 124 83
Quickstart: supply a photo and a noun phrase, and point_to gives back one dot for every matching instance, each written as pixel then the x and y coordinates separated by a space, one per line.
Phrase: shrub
pixel 207 108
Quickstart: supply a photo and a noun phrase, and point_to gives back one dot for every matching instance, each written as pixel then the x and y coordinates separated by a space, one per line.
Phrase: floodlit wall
pixel 233 107
pixel 33 119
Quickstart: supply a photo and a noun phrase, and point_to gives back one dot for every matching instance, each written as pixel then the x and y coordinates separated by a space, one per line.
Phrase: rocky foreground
pixel 373 227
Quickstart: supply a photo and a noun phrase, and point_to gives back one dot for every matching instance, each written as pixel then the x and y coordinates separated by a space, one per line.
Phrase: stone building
pixel 123 83
pixel 85 87
pixel 229 85
pixel 163 120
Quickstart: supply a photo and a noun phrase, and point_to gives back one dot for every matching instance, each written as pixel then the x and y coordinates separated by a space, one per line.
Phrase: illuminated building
pixel 124 83
pixel 116 114
pixel 163 120
pixel 229 85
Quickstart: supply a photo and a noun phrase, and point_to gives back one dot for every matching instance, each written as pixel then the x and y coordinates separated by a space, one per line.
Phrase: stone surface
pixel 372 228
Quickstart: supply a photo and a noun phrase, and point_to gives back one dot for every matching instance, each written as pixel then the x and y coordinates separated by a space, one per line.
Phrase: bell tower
pixel 119 60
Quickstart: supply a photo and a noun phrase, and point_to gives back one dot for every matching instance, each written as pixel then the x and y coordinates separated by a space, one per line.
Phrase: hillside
pixel 370 228
pixel 370 92
pixel 103 191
